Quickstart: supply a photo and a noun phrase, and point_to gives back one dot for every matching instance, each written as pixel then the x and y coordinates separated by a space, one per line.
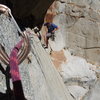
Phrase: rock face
pixel 78 75
pixel 40 79
pixel 79 33
pixel 28 13
pixel 79 23
pixel 94 93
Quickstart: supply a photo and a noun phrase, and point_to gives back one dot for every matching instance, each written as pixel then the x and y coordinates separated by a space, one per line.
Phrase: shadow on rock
pixel 9 93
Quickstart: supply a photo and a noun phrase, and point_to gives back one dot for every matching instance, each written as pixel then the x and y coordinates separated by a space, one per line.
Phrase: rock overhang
pixel 28 13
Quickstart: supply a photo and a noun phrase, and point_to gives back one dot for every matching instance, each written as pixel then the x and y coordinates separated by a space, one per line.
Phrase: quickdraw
pixel 16 57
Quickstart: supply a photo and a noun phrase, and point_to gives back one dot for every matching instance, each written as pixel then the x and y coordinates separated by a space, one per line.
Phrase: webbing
pixel 16 57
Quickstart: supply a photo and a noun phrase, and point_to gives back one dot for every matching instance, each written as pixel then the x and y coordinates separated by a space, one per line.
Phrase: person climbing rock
pixel 37 32
pixel 51 31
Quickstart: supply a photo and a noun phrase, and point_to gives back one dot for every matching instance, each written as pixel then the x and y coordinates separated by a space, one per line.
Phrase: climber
pixel 51 31
pixel 37 32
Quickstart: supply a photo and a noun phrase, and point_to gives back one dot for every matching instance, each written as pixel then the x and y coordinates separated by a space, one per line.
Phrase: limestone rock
pixel 40 79
pixel 94 92
pixel 79 27
pixel 79 77
pixel 77 91
pixel 78 70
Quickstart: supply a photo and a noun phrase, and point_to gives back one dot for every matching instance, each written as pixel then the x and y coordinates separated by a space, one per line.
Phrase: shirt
pixel 51 27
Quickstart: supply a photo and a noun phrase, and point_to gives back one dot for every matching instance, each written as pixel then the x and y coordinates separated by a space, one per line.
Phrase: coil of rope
pixel 16 57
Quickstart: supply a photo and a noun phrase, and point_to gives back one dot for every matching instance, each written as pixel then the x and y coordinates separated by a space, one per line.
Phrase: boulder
pixel 79 27
pixel 40 79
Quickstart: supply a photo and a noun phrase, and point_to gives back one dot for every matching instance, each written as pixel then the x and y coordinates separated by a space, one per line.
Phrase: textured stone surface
pixel 77 91
pixel 40 79
pixel 94 93
pixel 79 32
pixel 79 23
pixel 78 68
pixel 78 75
pixel 8 33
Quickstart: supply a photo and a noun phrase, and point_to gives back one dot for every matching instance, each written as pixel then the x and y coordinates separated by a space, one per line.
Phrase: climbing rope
pixel 26 47
pixel 16 57
pixel 14 70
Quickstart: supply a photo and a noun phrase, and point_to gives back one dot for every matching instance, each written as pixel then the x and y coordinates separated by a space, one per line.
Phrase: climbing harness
pixel 16 57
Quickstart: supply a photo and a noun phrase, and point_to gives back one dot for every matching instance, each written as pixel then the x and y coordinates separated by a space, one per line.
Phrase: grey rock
pixel 94 92
pixel 40 79
pixel 79 23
